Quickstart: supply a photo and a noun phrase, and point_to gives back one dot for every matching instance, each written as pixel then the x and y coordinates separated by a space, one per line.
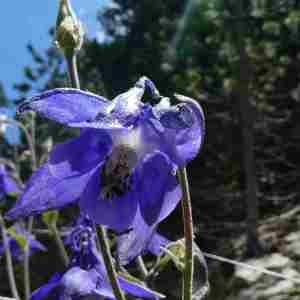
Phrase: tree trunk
pixel 243 96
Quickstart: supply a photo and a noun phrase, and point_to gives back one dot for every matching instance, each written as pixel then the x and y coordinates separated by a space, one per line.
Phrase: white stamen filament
pixel 132 139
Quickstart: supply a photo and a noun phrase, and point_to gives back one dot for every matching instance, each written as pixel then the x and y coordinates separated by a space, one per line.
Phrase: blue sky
pixel 23 21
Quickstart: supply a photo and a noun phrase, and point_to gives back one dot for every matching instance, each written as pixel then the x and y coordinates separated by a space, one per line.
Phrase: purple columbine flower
pixel 7 184
pixel 125 158
pixel 19 232
pixel 86 275
pixel 141 238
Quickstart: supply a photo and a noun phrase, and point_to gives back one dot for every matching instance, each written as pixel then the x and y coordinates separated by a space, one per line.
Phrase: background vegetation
pixel 241 61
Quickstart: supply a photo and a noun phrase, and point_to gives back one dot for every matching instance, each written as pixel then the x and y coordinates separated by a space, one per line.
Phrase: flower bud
pixel 69 31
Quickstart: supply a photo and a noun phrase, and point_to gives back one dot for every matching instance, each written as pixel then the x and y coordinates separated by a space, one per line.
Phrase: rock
pixel 293 249
pixel 291 273
pixel 281 287
pixel 292 237
pixel 248 275
pixel 275 261
pixel 249 294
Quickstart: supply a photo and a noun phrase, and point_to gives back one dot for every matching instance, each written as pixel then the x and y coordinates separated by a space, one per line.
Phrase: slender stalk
pixel 16 159
pixel 32 130
pixel 141 266
pixel 61 247
pixel 8 163
pixel 103 240
pixel 54 232
pixel 9 264
pixel 26 270
pixel 71 60
pixel 26 263
pixel 108 260
pixel 11 165
pixel 188 234
pixel 31 144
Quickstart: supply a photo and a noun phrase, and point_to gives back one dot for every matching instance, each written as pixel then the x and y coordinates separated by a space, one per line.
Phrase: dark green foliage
pixel 3 98
pixel 192 48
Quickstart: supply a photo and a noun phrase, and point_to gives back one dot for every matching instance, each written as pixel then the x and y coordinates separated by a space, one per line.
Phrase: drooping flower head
pixel 7 184
pixel 124 160
pixel 18 238
pixel 86 276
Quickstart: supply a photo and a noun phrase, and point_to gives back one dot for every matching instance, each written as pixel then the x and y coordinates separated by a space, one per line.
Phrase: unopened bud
pixel 69 31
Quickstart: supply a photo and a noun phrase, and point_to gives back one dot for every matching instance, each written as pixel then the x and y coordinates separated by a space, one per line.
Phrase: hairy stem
pixel 26 263
pixel 103 240
pixel 16 159
pixel 26 270
pixel 108 260
pixel 60 245
pixel 142 268
pixel 188 234
pixel 71 59
pixel 9 264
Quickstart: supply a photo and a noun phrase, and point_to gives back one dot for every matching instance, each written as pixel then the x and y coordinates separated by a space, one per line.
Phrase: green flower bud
pixel 69 30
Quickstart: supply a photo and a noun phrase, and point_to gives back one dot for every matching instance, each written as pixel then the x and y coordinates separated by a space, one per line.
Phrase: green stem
pixel 71 60
pixel 112 274
pixel 108 260
pixel 26 270
pixel 142 267
pixel 61 247
pixel 9 264
pixel 33 140
pixel 26 263
pixel 16 159
pixel 188 234
pixel 75 83
pixel 54 232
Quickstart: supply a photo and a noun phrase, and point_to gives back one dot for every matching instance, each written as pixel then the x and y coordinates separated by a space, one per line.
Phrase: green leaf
pixel 21 240
pixel 173 253
pixel 130 278
pixel 13 195
pixel 271 27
